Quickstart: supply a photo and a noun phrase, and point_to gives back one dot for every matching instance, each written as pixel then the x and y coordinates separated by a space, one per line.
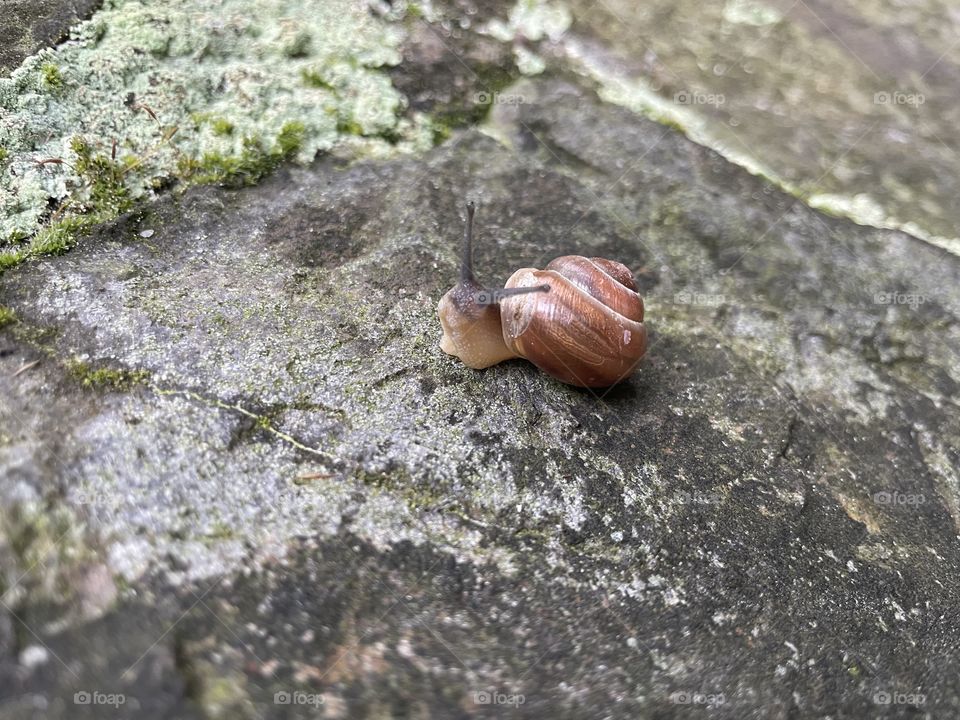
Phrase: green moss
pixel 222 127
pixel 290 139
pixel 494 78
pixel 61 236
pixel 250 166
pixel 235 148
pixel 11 258
pixel 199 118
pixel 473 109
pixel 105 378
pixel 312 78
pixel 219 126
pixel 54 239
pixel 41 337
pixel 7 316
pixel 349 126
pixel 447 119
pixel 458 117
pixel 390 135
pixel 16 236
pixel 108 198
pixel 51 77
pixel 108 193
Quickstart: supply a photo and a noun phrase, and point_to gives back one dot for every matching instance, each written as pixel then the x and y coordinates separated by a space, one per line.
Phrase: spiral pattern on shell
pixel 587 330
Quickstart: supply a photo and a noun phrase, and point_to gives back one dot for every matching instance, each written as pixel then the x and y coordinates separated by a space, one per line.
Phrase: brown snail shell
pixel 580 319
pixel 588 330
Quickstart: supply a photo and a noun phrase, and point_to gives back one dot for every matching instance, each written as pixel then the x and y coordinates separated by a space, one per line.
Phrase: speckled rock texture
pixel 240 479
pixel 29 25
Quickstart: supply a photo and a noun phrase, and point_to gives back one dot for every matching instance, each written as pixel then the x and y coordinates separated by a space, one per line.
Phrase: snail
pixel 579 319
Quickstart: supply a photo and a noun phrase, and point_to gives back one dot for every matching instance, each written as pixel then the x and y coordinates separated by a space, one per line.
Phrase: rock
pixel 850 106
pixel 277 83
pixel 313 511
pixel 29 25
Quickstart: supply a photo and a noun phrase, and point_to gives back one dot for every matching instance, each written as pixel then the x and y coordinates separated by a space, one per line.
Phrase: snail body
pixel 579 319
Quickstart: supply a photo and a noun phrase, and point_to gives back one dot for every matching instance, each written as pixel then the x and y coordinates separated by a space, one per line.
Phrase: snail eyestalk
pixel 466 263
pixel 484 295
pixel 470 315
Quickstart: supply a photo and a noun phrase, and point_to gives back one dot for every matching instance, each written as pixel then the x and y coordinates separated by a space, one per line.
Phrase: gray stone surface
pixel 855 101
pixel 242 466
pixel 29 25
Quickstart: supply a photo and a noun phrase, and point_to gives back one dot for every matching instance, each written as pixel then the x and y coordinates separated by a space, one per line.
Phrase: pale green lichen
pixel 529 63
pixel 531 20
pixel 863 209
pixel 750 12
pixel 201 90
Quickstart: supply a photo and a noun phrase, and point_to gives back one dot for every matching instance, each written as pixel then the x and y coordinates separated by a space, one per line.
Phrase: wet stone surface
pixel 240 478
pixel 29 25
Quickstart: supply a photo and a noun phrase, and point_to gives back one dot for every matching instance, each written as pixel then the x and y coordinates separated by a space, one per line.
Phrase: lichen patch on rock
pixel 147 94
